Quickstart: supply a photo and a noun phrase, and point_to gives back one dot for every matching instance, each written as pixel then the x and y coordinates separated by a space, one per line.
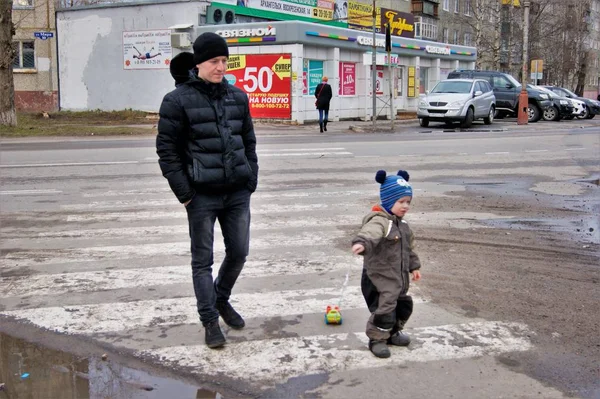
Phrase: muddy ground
pixel 540 267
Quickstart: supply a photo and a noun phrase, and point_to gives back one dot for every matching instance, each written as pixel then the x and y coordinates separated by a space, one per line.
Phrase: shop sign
pixel 401 23
pixel 360 17
pixel 347 79
pixel 257 32
pixel 267 80
pixel 312 10
pixel 368 41
pixel 381 59
pixel 437 50
pixel 147 49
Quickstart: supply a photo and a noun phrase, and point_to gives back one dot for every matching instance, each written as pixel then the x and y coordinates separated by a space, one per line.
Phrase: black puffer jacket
pixel 206 140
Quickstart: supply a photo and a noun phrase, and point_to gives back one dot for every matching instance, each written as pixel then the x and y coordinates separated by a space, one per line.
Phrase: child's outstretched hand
pixel 357 249
pixel 416 275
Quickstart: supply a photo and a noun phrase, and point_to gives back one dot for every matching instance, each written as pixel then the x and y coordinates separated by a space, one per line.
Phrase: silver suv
pixel 458 100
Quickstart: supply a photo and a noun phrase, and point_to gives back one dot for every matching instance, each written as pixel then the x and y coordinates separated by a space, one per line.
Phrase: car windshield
pixel 569 92
pixel 452 87
pixel 512 80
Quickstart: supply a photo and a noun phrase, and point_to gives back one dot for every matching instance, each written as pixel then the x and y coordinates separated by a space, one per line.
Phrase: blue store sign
pixel 43 35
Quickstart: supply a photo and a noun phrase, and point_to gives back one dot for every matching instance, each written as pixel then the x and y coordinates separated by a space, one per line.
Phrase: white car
pixel 578 108
pixel 458 100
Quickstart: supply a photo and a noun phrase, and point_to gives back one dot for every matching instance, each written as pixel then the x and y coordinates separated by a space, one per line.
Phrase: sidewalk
pixel 339 127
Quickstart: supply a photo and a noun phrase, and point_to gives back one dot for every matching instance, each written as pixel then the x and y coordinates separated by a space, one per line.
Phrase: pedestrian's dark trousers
pixel 381 327
pixel 233 213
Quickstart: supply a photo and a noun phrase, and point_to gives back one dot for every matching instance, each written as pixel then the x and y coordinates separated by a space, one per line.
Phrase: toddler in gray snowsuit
pixel 387 244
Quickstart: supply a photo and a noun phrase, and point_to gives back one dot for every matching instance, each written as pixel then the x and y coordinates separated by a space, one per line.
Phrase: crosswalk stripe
pixel 279 359
pixel 85 254
pixel 61 283
pixel 119 316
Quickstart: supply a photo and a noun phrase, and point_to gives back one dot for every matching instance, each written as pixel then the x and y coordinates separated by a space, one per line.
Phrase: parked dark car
pixel 561 108
pixel 592 106
pixel 507 90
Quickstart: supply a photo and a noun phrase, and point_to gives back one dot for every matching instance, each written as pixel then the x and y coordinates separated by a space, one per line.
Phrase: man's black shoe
pixel 213 336
pixel 399 339
pixel 230 316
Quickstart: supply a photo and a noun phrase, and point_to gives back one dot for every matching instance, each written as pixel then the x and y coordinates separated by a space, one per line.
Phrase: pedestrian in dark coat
pixel 387 244
pixel 323 95
pixel 207 151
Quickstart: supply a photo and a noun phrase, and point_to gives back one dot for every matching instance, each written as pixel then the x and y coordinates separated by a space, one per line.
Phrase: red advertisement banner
pixel 347 79
pixel 267 79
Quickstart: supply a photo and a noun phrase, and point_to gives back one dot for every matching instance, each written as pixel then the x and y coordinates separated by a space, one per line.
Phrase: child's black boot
pixel 379 349
pixel 399 339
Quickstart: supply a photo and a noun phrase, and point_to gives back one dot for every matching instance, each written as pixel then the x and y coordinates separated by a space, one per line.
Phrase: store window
pixel 423 80
pixel 24 55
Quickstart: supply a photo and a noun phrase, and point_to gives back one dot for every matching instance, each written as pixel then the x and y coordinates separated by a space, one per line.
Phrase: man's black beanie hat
pixel 209 45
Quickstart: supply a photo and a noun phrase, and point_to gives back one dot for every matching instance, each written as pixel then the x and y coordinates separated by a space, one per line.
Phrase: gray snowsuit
pixel 389 258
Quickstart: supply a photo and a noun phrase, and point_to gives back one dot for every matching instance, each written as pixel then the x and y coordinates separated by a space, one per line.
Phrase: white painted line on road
pixel 536 151
pixel 102 280
pixel 137 203
pixel 575 149
pixel 146 232
pixel 120 316
pixel 147 215
pixel 30 192
pixel 45 165
pixel 497 153
pixel 282 358
pixel 301 149
pixel 86 254
pixel 303 154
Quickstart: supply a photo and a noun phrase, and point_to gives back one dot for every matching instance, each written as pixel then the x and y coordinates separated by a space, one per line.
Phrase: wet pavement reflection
pixel 31 371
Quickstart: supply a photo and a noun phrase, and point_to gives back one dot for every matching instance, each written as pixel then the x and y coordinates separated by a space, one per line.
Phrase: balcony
pixel 426 29
pixel 425 7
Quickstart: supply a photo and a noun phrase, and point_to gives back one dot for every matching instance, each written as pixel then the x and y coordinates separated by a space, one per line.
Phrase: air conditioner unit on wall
pixel 181 40
pixel 218 16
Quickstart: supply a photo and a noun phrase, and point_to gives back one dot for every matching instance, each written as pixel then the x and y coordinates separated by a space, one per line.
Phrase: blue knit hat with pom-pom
pixel 393 188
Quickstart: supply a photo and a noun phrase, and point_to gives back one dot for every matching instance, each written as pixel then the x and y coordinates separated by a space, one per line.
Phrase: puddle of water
pixel 30 371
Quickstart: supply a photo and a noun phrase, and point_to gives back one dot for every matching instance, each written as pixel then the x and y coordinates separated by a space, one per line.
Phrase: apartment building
pixel 35 64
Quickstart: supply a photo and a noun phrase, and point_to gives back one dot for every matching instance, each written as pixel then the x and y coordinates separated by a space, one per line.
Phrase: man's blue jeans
pixel 233 213
pixel 321 118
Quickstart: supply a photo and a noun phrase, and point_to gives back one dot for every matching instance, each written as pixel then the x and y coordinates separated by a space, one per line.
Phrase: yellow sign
pixel 282 68
pixel 537 66
pixel 516 3
pixel 360 16
pixel 235 62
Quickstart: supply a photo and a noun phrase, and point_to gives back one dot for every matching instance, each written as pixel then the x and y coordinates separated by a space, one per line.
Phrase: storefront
pixel 279 65
pixel 117 57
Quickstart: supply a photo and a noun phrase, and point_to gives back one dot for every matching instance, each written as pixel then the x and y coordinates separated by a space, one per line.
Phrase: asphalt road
pixel 94 247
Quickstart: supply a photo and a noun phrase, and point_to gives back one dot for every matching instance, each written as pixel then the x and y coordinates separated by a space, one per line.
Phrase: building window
pixel 445 35
pixel 455 41
pixel 468 10
pixel 22 3
pixel 457 6
pixel 467 39
pixel 24 55
pixel 446 5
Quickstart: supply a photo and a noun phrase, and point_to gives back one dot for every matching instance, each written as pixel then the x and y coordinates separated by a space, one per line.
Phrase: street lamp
pixel 522 115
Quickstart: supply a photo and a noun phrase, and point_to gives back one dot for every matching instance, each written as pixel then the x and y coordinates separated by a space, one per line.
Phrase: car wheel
pixel 500 115
pixel 468 121
pixel 533 113
pixel 490 117
pixel 585 114
pixel 591 116
pixel 424 122
pixel 569 117
pixel 551 114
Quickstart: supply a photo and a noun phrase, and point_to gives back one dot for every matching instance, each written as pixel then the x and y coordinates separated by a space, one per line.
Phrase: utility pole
pixel 374 66
pixel 522 115
pixel 388 48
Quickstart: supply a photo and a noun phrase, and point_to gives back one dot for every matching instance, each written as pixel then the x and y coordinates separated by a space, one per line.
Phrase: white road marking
pixel 148 215
pixel 87 254
pixel 30 192
pixel 575 149
pixel 536 151
pixel 45 165
pixel 497 153
pixel 303 154
pixel 102 280
pixel 172 201
pixel 280 359
pixel 120 316
pixel 301 149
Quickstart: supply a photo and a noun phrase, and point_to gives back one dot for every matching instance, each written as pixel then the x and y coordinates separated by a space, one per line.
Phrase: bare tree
pixel 8 115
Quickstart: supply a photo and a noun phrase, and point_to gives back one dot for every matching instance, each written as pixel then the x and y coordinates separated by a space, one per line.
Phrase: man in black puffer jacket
pixel 207 151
